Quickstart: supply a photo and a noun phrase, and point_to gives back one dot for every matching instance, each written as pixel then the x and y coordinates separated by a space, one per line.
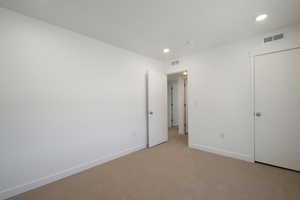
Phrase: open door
pixel 157 108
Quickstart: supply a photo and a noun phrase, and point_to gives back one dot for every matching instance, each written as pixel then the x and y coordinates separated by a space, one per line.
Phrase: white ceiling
pixel 148 26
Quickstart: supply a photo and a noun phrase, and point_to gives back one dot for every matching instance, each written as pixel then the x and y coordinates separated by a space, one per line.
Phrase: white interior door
pixel 277 107
pixel 157 108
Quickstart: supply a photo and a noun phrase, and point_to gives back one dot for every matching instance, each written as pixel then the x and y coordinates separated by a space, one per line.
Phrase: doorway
pixel 177 104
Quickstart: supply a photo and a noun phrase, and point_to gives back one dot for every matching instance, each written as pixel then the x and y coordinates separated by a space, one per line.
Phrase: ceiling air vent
pixel 278 36
pixel 273 38
pixel 268 39
pixel 175 62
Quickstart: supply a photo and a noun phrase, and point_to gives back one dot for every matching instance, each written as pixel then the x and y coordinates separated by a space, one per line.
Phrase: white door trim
pixel 252 114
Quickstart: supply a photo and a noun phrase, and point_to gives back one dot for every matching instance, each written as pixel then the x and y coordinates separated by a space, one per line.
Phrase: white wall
pixel 67 102
pixel 220 94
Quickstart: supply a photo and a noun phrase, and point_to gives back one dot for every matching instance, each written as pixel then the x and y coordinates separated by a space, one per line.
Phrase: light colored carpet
pixel 172 171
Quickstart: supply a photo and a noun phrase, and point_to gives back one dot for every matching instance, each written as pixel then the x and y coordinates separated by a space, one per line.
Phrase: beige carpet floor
pixel 172 171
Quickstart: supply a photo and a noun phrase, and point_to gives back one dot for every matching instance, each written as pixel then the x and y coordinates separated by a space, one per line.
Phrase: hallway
pixel 176 138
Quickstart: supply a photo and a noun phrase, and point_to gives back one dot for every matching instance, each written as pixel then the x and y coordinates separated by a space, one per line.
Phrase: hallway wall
pixel 178 102
pixel 174 84
pixel 180 105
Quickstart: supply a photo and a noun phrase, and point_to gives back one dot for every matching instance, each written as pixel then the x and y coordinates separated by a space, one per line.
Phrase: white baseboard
pixel 222 152
pixel 10 192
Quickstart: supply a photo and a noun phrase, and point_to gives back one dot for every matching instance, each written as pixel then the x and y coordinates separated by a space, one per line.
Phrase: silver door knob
pixel 258 114
pixel 150 113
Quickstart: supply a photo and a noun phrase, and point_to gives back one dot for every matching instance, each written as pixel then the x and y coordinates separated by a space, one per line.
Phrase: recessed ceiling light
pixel 262 17
pixel 166 50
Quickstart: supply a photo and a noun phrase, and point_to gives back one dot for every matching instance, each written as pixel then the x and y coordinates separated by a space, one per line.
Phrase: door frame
pixel 181 70
pixel 252 56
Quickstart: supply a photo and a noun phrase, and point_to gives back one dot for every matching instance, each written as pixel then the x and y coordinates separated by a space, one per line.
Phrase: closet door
pixel 277 108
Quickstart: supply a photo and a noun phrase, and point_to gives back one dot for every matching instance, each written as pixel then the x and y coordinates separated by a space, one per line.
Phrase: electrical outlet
pixel 222 135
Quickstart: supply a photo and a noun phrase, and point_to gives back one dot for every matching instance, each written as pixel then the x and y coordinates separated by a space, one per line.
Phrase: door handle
pixel 258 114
pixel 150 113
